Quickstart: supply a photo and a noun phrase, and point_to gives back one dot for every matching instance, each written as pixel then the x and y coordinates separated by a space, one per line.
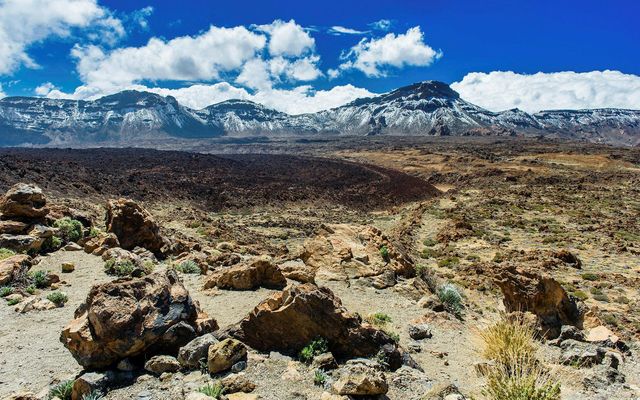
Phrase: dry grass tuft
pixel 511 339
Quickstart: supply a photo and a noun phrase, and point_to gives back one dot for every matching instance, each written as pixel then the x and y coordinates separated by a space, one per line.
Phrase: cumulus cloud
pixel 287 38
pixel 341 30
pixel 375 56
pixel 502 90
pixel 45 89
pixel 25 22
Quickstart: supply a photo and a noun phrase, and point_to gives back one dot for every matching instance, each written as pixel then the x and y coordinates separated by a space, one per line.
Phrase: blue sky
pixel 304 56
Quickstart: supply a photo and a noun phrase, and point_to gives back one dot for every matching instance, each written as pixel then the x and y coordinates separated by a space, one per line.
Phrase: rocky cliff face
pixel 425 108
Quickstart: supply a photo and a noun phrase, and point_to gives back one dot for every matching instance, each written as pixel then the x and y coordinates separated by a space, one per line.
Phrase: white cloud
pixel 341 30
pixel 502 90
pixel 45 89
pixel 25 22
pixel 374 56
pixel 255 75
pixel 381 25
pixel 2 94
pixel 141 16
pixel 287 38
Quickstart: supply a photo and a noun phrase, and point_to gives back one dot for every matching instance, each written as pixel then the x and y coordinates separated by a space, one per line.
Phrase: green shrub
pixel 601 297
pixel 57 298
pixel 39 279
pixel 430 253
pixel 94 232
pixel 95 395
pixel 216 390
pixel 6 253
pixel 378 319
pixel 450 297
pixel 5 291
pixel 319 378
pixel 449 262
pixel 62 390
pixel 119 268
pixel 430 242
pixel 610 319
pixel 581 295
pixel 384 252
pixel 70 229
pixel 188 267
pixel 50 244
pixel 13 302
pixel 316 347
pixel 589 276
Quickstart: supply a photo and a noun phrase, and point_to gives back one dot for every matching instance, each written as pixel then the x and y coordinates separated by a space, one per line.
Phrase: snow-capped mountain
pixel 425 108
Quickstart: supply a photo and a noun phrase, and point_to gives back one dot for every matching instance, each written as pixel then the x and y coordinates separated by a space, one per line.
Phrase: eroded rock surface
pixel 134 226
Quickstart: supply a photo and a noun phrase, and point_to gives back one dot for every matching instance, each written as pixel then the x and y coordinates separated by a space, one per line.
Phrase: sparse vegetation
pixel 70 229
pixel 384 253
pixel 581 295
pixel 119 268
pixel 509 337
pixel 95 395
pixel 13 302
pixel 212 390
pixel 6 253
pixel 188 267
pixel 5 291
pixel 449 262
pixel 94 232
pixel 39 279
pixel 57 298
pixel 316 347
pixel 50 244
pixel 319 378
pixel 589 276
pixel 378 319
pixel 62 390
pixel 450 297
pixel 430 242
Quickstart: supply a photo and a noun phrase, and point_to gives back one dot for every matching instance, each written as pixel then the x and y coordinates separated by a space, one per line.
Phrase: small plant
pixel 316 347
pixel 57 298
pixel 5 291
pixel 378 319
pixel 430 242
pixel 13 302
pixel 392 334
pixel 521 382
pixel 581 295
pixel 39 279
pixel 384 253
pixel 510 337
pixel 188 267
pixel 601 297
pixel 319 378
pixel 70 229
pixel 50 244
pixel 216 390
pixel 94 232
pixel 6 253
pixel 449 262
pixel 119 268
pixel 62 390
pixel 450 297
pixel 95 395
pixel 610 319
pixel 589 276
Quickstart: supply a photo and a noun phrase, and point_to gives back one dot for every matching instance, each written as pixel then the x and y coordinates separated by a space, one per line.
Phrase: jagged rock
pixel 324 361
pixel 237 383
pixel 224 354
pixel 88 383
pixel 24 201
pixel 571 332
pixel 126 317
pixel 341 252
pixel 260 272
pixel 420 331
pixel 13 227
pixel 161 364
pixel 98 245
pixel 190 354
pixel 581 354
pixel 298 271
pixel 289 320
pixel 134 226
pixel 458 229
pixel 567 257
pixel 360 380
pixel 525 290
pixel 13 267
pixel 72 247
pixel 20 243
pixel 601 334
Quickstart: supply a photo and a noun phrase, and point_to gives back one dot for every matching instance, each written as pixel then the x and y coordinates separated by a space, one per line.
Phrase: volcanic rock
pixel 134 226
pixel 98 245
pixel 126 317
pixel 13 227
pixel 359 379
pixel 24 201
pixel 161 364
pixel 260 272
pixel 12 267
pixel 223 355
pixel 289 320
pixel 190 354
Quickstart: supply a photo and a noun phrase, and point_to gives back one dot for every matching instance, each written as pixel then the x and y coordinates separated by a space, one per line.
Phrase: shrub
pixel 378 319
pixel 94 232
pixel 449 262
pixel 581 295
pixel 319 378
pixel 450 296
pixel 384 252
pixel 216 390
pixel 39 279
pixel 316 347
pixel 589 276
pixel 601 297
pixel 95 395
pixel 57 298
pixel 52 243
pixel 119 268
pixel 521 382
pixel 188 267
pixel 13 302
pixel 62 390
pixel 430 242
pixel 70 229
pixel 5 291
pixel 6 253
pixel 509 338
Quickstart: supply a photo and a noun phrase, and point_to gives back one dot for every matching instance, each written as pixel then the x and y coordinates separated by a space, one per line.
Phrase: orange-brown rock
pixel 526 290
pixel 13 227
pixel 14 266
pixel 259 272
pixel 99 245
pixel 127 317
pixel 24 201
pixel 289 320
pixel 134 226
pixel 342 251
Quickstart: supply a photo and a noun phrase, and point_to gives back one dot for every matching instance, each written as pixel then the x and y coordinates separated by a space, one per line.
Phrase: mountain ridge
pixel 422 108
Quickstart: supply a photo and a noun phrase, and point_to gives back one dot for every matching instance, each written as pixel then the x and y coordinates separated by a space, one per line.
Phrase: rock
pixel 98 245
pixel 571 332
pixel 161 364
pixel 324 361
pixel 13 227
pixel 197 396
pixel 420 331
pixel 20 243
pixel 224 354
pixel 384 280
pixel 121 255
pixel 443 391
pixel 360 380
pixel 14 297
pixel 133 226
pixel 237 383
pixel 260 272
pixel 225 246
pixel 24 201
pixel 239 366
pixel 193 352
pixel 330 396
pixel 289 320
pixel 242 396
pixel 23 395
pixel 199 258
pixel 126 317
pixel 89 382
pixel 298 271
pixel 567 257
pixel 341 252
pixel 72 247
pixel 580 354
pixel 14 267
pixel 45 304
pixel 26 305
pixel 68 267
pixel 601 334
pixel 125 365
pixel 457 230
pixel 525 290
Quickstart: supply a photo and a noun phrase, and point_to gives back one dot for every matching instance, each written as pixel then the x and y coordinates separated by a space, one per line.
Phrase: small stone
pixel 242 396
pixel 197 396
pixel 145 395
pixel 196 350
pixel 237 383
pixel 325 362
pixel 274 355
pixel 14 297
pixel 420 331
pixel 68 267
pixel 72 247
pixel 361 380
pixel 161 364
pixel 87 383
pixel 224 354
pixel 165 376
pixel 239 366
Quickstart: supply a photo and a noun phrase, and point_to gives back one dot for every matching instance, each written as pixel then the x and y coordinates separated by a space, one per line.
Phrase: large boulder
pixel 134 226
pixel 13 267
pixel 360 379
pixel 24 201
pixel 222 355
pixel 260 272
pixel 289 320
pixel 526 290
pixel 130 316
pixel 342 252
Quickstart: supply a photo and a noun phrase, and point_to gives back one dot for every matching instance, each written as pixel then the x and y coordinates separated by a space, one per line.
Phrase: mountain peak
pixel 425 90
